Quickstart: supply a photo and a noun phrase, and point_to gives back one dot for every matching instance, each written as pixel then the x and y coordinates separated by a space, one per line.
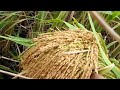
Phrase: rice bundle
pixel 70 54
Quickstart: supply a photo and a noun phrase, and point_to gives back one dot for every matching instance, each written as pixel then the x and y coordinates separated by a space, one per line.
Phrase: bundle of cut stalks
pixel 71 54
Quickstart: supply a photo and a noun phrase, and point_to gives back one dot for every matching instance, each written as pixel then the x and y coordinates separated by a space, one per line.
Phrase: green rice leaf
pixel 106 69
pixel 78 24
pixel 19 40
pixel 113 60
pixel 71 27
pixel 6 19
pixel 115 51
pixel 111 44
pixel 7 69
pixel 102 42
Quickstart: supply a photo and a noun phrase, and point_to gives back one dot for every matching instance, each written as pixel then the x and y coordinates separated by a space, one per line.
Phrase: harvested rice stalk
pixel 61 55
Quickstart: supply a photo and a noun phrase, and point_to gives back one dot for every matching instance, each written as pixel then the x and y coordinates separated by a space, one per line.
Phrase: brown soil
pixel 56 56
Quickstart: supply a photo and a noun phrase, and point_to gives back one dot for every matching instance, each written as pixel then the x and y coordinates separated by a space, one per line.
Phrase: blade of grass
pixel 113 60
pixel 71 27
pixel 3 21
pixel 60 16
pixel 106 69
pixel 41 15
pixel 7 69
pixel 78 24
pixel 111 44
pixel 102 43
pixel 19 40
pixel 114 15
pixel 115 52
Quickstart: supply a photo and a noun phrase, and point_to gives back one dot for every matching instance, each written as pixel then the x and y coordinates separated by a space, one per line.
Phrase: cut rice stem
pixel 76 52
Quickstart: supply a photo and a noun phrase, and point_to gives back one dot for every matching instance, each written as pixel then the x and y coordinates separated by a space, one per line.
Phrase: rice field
pixel 19 28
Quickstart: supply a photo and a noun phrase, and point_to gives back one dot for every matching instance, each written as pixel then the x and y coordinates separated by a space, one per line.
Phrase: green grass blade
pixel 4 21
pixel 19 40
pixel 106 69
pixel 115 52
pixel 71 27
pixel 111 44
pixel 41 15
pixel 115 14
pixel 7 69
pixel 113 60
pixel 51 21
pixel 78 24
pixel 102 43
pixel 61 15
